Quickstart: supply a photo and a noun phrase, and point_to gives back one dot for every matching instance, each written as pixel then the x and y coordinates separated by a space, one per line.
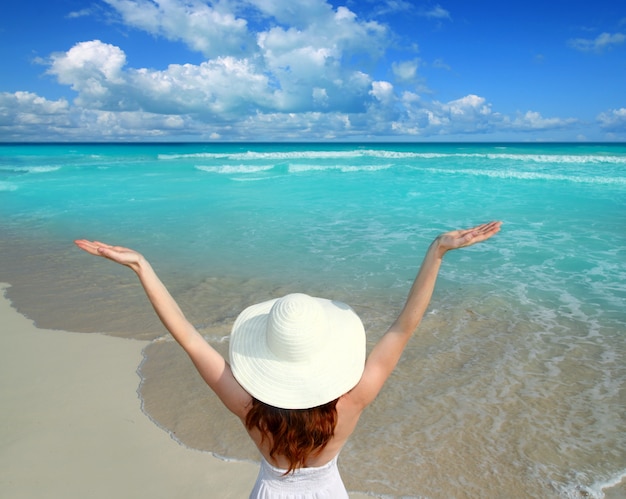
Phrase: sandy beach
pixel 72 425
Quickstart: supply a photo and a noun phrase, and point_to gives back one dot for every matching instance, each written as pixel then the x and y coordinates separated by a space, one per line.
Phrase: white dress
pixel 323 482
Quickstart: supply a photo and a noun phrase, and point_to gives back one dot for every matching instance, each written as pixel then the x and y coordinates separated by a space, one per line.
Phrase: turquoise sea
pixel 514 385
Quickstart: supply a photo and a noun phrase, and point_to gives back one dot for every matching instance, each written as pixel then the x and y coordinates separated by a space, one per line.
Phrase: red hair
pixel 294 433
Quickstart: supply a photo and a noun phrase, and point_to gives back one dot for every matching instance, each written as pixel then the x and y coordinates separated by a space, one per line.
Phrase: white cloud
pixel 613 120
pixel 532 120
pixel 299 13
pixel 26 108
pixel 292 52
pixel 470 105
pixel 211 30
pixel 468 115
pixel 320 96
pixel 406 70
pixel 387 115
pixel 382 8
pixel 325 42
pixel 436 12
pixel 214 89
pixel 299 46
pixel 80 13
pixel 92 69
pixel 602 42
pixel 274 69
pixel 278 72
pixel 28 102
pixel 383 91
pixel 24 115
pixel 96 71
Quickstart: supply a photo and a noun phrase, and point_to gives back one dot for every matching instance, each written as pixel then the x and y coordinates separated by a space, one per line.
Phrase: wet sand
pixel 73 425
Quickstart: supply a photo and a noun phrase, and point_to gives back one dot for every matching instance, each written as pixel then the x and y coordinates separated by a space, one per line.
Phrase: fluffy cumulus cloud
pixel 213 89
pixel 29 103
pixel 212 30
pixel 296 67
pixel 467 116
pixel 271 70
pixel 93 69
pixel 25 115
pixel 470 114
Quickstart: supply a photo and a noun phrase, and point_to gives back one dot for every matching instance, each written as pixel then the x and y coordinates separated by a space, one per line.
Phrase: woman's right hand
pixel 117 254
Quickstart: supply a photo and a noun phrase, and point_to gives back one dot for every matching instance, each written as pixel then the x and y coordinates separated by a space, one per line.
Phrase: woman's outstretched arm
pixel 385 355
pixel 210 364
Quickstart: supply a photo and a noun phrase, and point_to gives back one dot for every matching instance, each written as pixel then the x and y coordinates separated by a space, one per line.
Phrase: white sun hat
pixel 298 351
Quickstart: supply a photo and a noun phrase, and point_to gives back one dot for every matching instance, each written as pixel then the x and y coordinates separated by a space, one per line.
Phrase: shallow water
pixel 512 387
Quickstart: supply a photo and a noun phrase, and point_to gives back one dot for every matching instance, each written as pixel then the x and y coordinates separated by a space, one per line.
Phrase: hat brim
pixel 326 375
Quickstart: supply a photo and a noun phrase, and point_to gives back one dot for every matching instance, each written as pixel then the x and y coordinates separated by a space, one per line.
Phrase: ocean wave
pixel 256 156
pixel 193 155
pixel 292 168
pixel 390 154
pixel 521 175
pixel 30 169
pixel 595 491
pixel 291 155
pixel 230 169
pixel 551 158
pixel 303 168
pixel 41 169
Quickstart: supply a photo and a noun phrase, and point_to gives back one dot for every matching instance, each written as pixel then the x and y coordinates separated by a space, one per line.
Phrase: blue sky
pixel 313 70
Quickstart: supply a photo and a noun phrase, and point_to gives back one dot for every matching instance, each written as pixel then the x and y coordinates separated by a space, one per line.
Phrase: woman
pixel 298 378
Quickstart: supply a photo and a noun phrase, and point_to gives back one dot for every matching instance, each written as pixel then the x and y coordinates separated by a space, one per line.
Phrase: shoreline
pixel 59 292
pixel 73 425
